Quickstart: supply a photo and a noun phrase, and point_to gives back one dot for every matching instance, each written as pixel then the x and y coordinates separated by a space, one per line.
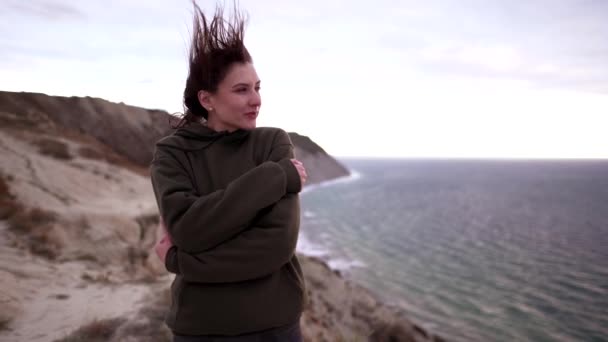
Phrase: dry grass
pixel 158 306
pixel 79 137
pixel 33 121
pixel 7 208
pixel 4 325
pixel 8 205
pixel 33 226
pixel 90 153
pixel 151 323
pixel 53 148
pixel 386 332
pixel 87 256
pixel 27 221
pixel 101 152
pixel 4 189
pixel 91 148
pixel 96 331
pixel 149 326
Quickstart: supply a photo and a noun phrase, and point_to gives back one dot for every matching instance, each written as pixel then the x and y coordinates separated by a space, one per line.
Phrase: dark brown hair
pixel 215 47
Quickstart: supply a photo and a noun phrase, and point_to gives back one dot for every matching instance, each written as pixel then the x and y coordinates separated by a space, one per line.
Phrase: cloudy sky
pixel 438 78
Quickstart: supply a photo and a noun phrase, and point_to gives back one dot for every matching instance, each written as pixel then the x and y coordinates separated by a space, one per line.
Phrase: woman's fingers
pixel 162 246
pixel 302 172
pixel 301 169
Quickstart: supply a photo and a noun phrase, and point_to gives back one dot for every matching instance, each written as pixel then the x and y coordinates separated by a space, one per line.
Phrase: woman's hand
pixel 301 170
pixel 162 246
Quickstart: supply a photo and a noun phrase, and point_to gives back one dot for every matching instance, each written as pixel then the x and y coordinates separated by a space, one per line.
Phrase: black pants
pixel 290 333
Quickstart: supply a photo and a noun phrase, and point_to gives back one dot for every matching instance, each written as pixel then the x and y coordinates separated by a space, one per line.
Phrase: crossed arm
pixel 256 252
pixel 242 232
pixel 200 222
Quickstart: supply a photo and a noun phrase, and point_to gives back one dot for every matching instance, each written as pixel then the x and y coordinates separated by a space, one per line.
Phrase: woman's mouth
pixel 251 115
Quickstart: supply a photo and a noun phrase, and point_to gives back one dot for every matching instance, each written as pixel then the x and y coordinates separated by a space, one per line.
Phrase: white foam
pixel 353 176
pixel 344 264
pixel 306 247
pixel 309 214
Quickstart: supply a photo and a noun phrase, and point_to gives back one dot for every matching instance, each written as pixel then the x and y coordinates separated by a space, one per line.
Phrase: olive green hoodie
pixel 230 203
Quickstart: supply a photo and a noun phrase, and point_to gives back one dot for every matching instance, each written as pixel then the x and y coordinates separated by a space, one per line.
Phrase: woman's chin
pixel 249 125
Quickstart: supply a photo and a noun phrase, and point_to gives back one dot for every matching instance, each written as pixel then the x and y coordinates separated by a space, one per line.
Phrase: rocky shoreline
pixel 78 220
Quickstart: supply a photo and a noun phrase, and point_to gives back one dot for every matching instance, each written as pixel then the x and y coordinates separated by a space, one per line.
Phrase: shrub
pixel 102 152
pixel 8 206
pixel 26 221
pixel 34 226
pixel 53 148
pixel 96 331
pixel 90 153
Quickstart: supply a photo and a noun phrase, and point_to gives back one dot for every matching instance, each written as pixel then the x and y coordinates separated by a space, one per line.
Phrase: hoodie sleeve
pixel 199 222
pixel 254 253
pixel 258 251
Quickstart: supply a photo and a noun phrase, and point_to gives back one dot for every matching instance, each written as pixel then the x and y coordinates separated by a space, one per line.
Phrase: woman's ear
pixel 204 98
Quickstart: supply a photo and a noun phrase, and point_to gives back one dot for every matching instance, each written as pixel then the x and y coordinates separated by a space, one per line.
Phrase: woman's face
pixel 236 103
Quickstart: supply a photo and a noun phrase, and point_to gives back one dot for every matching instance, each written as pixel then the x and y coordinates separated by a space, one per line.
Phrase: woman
pixel 228 193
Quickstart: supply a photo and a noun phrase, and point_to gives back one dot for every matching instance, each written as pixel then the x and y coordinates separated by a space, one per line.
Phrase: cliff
pixel 131 131
pixel 78 220
pixel 319 165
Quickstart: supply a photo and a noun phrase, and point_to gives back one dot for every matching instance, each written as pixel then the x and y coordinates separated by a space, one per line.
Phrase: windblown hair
pixel 215 47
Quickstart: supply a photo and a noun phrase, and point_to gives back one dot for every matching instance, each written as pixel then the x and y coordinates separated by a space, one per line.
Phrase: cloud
pixel 45 9
pixel 501 61
pixel 561 43
pixel 110 32
pixel 550 43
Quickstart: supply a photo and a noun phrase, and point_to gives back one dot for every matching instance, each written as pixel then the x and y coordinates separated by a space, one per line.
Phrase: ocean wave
pixel 344 264
pixel 307 247
pixel 354 176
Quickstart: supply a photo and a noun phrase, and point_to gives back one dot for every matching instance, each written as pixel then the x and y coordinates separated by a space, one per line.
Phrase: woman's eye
pixel 241 90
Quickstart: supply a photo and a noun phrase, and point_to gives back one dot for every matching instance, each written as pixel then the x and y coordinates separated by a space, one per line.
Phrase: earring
pixel 209 109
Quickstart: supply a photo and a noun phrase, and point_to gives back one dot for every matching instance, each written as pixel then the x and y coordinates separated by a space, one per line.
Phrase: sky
pixel 434 78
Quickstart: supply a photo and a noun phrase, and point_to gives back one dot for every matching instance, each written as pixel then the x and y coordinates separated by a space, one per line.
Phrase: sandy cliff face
pixel 131 131
pixel 128 130
pixel 78 220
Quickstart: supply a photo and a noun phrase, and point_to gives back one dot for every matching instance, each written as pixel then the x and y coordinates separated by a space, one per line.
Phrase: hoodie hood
pixel 197 137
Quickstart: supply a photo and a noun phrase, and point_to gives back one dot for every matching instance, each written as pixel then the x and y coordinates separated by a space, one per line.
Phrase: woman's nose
pixel 255 100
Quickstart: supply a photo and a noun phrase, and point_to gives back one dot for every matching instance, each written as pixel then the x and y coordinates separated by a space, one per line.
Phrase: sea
pixel 472 250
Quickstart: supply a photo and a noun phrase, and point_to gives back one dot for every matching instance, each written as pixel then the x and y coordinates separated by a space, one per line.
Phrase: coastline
pixel 306 246
pixel 328 274
pixel 351 177
pixel 81 221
